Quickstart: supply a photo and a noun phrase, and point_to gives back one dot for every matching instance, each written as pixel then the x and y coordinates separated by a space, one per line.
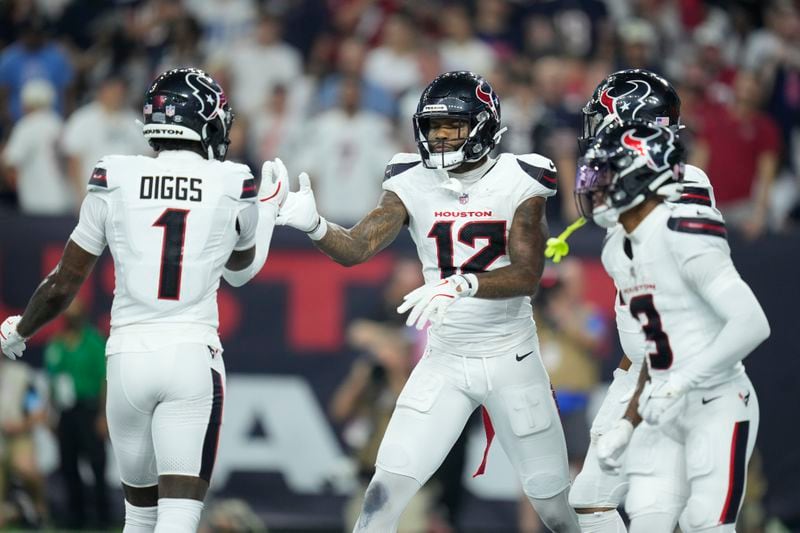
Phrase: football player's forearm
pixel 340 245
pixel 369 236
pixel 507 282
pixel 526 250
pixel 57 290
pixel 52 296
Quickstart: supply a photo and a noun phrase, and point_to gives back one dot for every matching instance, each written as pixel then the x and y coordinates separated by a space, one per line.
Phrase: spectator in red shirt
pixel 738 146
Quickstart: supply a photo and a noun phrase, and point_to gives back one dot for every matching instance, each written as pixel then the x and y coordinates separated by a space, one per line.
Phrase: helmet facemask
pixel 470 146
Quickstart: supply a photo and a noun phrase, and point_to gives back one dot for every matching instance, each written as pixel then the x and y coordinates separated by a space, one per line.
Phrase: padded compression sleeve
pixel 713 275
pixel 267 213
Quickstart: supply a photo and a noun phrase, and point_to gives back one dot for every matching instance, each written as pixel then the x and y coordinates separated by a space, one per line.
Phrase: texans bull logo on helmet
pixel 656 154
pixel 629 103
pixel 485 94
pixel 211 100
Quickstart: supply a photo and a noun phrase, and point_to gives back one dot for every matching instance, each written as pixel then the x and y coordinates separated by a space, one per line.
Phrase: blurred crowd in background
pixel 330 86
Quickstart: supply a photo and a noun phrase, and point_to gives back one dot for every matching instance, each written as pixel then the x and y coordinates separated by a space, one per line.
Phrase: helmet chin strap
pixel 499 135
pixel 209 149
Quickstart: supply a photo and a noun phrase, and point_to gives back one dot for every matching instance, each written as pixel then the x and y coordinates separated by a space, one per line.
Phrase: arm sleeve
pixel 714 277
pixel 260 223
pixel 90 233
pixel 248 220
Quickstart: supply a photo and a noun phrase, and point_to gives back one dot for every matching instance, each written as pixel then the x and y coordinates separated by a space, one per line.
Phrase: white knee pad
pixel 543 477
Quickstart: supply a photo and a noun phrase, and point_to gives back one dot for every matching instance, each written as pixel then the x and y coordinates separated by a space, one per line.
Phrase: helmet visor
pixel 592 180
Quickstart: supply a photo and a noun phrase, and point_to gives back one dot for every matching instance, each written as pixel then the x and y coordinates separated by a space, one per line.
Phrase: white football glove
pixel 430 301
pixel 612 444
pixel 11 342
pixel 274 183
pixel 300 210
pixel 663 400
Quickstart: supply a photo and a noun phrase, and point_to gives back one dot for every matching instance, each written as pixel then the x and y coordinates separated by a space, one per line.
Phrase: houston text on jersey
pixel 462 214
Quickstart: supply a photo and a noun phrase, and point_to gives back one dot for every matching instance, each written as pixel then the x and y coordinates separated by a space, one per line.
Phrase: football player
pixel 627 95
pixel 478 223
pixel 672 268
pixel 174 224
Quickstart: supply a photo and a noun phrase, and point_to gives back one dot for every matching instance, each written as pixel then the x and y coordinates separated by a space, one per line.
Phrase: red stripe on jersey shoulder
pixel 545 176
pixel 249 188
pixel 99 178
pixel 695 195
pixel 698 226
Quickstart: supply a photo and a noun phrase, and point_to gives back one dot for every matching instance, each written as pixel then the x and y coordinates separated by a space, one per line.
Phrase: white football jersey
pixel 675 324
pixel 698 192
pixel 171 223
pixel 468 232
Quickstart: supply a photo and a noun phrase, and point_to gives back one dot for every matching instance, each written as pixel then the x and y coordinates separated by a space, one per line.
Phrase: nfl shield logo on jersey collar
pixel 463 199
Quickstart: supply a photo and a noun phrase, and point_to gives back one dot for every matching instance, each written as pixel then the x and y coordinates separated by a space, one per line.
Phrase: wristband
pixel 319 230
pixel 471 284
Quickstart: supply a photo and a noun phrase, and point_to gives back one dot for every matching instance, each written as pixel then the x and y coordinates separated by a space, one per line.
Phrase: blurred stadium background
pixel 314 353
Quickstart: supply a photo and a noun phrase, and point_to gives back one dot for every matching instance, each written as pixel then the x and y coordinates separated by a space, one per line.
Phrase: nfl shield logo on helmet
pixel 463 199
pixel 170 110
